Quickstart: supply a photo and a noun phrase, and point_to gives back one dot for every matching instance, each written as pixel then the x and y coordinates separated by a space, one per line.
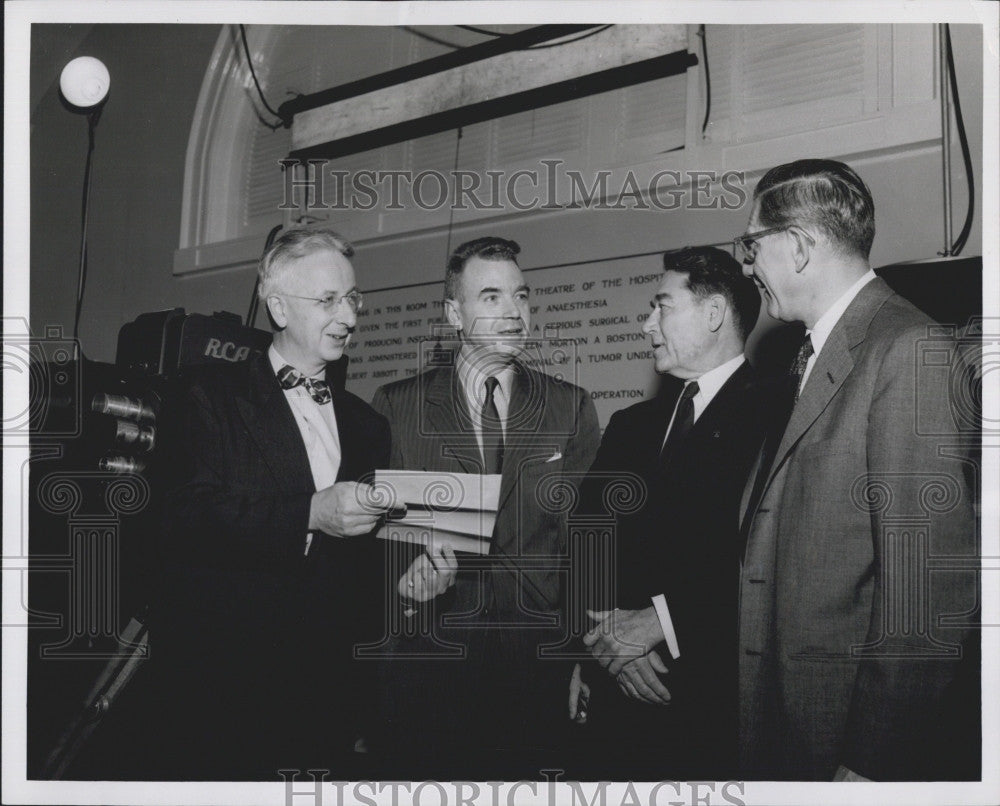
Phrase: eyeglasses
pixel 747 244
pixel 330 302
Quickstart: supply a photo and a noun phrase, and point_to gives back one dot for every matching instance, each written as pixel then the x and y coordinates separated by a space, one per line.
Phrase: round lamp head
pixel 85 81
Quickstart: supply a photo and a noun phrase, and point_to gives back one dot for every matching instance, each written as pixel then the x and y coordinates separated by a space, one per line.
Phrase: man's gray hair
pixel 825 193
pixel 295 243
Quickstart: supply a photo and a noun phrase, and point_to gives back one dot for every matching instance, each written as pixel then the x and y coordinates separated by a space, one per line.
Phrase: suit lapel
pixel 447 417
pixel 272 426
pixel 827 376
pixel 529 415
pixel 664 411
pixel 708 425
pixel 721 404
pixel 648 451
pixel 834 364
pixel 352 447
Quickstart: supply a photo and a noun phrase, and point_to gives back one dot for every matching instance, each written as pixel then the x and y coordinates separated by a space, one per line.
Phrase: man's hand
pixel 622 636
pixel 429 575
pixel 344 509
pixel 579 697
pixel 638 680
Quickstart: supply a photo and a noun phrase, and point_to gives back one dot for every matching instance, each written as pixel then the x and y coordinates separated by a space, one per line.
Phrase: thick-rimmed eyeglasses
pixel 746 244
pixel 330 302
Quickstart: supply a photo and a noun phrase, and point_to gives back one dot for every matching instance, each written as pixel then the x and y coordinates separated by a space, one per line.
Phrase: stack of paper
pixel 442 509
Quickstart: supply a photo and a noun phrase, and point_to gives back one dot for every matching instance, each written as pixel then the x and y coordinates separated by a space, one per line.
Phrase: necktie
pixel 289 378
pixel 798 368
pixel 776 430
pixel 492 430
pixel 683 420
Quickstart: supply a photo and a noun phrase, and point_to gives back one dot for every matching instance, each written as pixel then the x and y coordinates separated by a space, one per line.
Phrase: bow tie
pixel 289 378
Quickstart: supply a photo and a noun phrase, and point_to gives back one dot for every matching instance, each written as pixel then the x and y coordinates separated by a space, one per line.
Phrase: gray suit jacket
pixel 844 658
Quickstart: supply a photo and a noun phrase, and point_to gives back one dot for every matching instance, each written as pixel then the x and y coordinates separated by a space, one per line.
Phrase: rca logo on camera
pixel 226 350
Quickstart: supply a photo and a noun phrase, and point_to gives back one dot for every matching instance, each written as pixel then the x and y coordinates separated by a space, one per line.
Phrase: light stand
pixel 84 83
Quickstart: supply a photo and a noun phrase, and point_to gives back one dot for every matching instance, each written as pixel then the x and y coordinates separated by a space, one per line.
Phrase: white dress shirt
pixel 318 426
pixel 709 385
pixel 473 382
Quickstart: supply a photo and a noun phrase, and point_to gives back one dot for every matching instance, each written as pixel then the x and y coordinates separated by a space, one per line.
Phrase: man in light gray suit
pixel 849 644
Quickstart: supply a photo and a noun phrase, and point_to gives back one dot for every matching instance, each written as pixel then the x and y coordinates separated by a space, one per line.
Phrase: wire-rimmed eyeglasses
pixel 330 302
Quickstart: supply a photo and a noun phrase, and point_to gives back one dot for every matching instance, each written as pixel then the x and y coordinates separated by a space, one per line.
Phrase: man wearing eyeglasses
pixel 847 669
pixel 274 573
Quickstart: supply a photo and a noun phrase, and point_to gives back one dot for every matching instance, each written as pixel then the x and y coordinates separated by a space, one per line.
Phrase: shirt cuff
pixel 666 624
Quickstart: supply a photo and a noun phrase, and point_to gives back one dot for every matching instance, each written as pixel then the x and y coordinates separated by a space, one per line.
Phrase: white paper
pixel 437 491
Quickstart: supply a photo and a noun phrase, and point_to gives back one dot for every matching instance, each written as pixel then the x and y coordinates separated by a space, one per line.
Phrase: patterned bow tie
pixel 289 378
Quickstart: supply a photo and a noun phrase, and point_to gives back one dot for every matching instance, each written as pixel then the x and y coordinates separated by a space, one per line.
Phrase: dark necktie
pixel 683 421
pixel 492 430
pixel 798 368
pixel 289 378
pixel 776 429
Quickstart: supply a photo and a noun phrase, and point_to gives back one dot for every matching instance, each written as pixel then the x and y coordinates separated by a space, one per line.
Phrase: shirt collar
pixel 821 330
pixel 277 362
pixel 712 381
pixel 473 379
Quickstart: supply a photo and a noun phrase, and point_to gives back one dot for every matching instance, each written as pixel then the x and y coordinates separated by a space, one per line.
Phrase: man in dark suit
pixel 273 575
pixel 481 712
pixel 663 690
pixel 849 645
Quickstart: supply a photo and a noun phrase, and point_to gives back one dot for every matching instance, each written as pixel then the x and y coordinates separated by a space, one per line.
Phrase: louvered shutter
pixel 777 79
pixel 263 180
pixel 527 137
pixel 650 118
pixel 307 59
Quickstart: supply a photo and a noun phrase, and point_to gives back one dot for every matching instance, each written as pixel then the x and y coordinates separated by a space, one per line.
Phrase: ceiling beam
pixel 487 88
pixel 438 64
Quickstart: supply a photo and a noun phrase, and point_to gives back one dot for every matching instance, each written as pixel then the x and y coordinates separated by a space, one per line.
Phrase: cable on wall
pixel 963 236
pixel 436 40
pixel 579 38
pixel 256 83
pixel 484 31
pixel 451 212
pixel 92 119
pixel 499 35
pixel 703 33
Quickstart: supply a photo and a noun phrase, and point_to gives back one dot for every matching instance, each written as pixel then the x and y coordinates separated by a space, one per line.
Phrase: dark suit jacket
pixel 677 536
pixel 255 632
pixel 496 692
pixel 842 657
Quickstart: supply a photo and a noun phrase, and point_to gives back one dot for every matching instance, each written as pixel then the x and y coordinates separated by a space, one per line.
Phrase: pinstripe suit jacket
pixel 842 657
pixel 551 435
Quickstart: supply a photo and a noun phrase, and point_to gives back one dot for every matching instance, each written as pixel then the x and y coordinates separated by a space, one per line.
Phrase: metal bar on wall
pixel 483 90
pixel 448 61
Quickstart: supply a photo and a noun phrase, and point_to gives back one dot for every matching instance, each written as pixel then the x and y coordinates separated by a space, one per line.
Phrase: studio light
pixel 85 81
